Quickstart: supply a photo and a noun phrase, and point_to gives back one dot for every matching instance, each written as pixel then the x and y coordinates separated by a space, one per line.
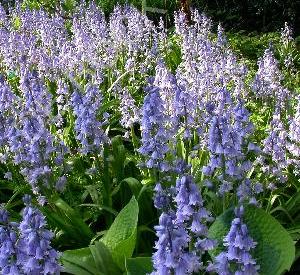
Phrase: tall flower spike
pixel 237 258
pixel 8 110
pixel 221 137
pixel 32 146
pixel 267 81
pixel 294 134
pixel 155 135
pixel 35 242
pixel 222 41
pixel 88 127
pixel 275 146
pixel 288 46
pixel 228 133
pixel 192 214
pixel 9 252
pixel 178 104
pixel 172 256
pixel 286 34
pixel 129 111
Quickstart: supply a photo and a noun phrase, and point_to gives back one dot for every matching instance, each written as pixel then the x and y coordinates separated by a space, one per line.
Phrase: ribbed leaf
pixel 275 250
pixel 121 237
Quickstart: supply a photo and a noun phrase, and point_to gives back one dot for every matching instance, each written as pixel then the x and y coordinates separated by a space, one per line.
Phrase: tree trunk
pixel 185 7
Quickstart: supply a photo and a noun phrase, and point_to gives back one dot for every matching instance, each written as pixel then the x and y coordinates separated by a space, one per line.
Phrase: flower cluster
pixel 155 135
pixel 8 103
pixel 228 132
pixel 173 240
pixel 129 111
pixel 237 258
pixel 293 135
pixel 191 212
pixel 88 127
pixel 29 141
pixel 9 250
pixel 267 82
pixel 275 146
pixel 34 242
pixel 181 232
pixel 25 248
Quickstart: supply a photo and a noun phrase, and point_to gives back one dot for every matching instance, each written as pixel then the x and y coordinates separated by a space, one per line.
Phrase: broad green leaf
pixel 275 250
pixel 95 259
pixel 139 266
pixel 79 262
pixel 133 184
pixel 103 259
pixel 121 237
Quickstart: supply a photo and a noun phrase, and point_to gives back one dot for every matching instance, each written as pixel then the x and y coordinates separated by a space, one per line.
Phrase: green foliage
pixel 275 250
pixel 79 261
pixel 121 236
pixel 116 201
pixel 72 229
pixel 95 259
pixel 139 266
pixel 252 46
pixel 108 255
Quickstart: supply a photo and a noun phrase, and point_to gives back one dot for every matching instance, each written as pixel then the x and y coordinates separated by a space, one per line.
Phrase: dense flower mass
pixel 275 145
pixel 26 246
pixel 171 256
pixel 34 242
pixel 95 109
pixel 228 134
pixel 293 144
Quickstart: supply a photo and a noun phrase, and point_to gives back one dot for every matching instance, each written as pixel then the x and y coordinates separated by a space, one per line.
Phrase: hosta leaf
pixel 79 262
pixel 95 259
pixel 121 237
pixel 275 250
pixel 134 185
pixel 103 259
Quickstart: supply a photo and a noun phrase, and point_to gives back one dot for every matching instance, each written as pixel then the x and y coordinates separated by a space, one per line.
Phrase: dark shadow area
pixel 252 15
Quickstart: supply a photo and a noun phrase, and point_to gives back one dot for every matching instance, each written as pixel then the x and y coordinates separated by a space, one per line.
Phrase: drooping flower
pixel 182 230
pixel 222 40
pixel 129 110
pixel 155 135
pixel 35 242
pixel 89 129
pixel 293 144
pixel 267 81
pixel 228 133
pixel 36 144
pixel 275 147
pixel 286 34
pixel 191 212
pixel 237 258
pixel 8 106
pixel 9 250
pixel 172 256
